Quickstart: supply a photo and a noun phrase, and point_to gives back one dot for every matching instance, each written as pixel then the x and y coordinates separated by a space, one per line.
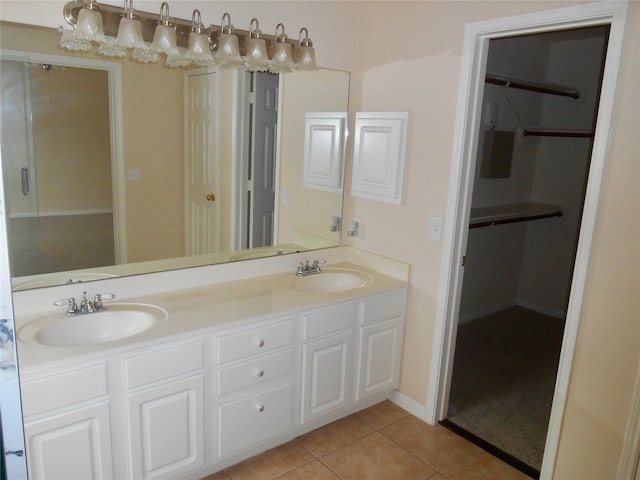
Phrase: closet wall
pixel 530 263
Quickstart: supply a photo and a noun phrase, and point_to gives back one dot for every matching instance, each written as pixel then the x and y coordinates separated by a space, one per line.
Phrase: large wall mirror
pixel 118 168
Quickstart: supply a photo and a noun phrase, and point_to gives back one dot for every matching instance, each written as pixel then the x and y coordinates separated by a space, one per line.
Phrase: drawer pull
pixel 260 343
pixel 260 373
pixel 260 408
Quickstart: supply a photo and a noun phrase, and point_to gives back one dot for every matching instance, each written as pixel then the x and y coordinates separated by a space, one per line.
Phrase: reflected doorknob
pixel 211 197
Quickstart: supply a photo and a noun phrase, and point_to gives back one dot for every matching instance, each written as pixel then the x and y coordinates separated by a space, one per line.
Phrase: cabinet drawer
pixel 162 364
pixel 63 389
pixel 250 420
pixel 383 307
pixel 329 321
pixel 266 338
pixel 254 372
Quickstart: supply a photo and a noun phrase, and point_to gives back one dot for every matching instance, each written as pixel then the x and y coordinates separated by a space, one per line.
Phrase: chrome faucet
pixel 304 269
pixel 85 306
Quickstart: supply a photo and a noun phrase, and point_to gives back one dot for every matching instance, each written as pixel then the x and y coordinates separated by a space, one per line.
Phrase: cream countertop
pixel 208 308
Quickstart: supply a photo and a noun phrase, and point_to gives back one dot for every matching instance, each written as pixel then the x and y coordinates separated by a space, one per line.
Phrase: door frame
pixel 116 132
pixel 468 122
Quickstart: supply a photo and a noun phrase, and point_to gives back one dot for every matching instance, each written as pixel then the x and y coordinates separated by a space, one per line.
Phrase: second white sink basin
pixel 118 321
pixel 330 280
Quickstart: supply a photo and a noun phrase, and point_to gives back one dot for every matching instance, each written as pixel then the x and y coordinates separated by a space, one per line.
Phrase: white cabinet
pixel 189 406
pixel 67 424
pixel 380 339
pixel 254 385
pixel 166 429
pixel 327 360
pixel 378 155
pixel 73 445
pixel 165 419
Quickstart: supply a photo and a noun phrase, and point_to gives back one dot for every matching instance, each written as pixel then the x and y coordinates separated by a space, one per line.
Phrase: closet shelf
pixel 512 213
pixel 550 88
pixel 557 132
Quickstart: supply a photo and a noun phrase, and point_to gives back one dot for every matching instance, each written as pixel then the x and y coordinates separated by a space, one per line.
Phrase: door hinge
pixel 464 260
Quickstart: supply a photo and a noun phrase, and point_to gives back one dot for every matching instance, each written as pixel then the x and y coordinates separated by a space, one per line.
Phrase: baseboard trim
pixel 469 317
pixel 544 309
pixel 410 405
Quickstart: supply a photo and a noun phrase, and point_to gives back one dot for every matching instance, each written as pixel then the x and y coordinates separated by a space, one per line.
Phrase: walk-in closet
pixel 540 100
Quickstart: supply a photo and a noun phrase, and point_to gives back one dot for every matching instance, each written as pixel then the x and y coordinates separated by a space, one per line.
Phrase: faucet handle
pixel 72 306
pixel 99 297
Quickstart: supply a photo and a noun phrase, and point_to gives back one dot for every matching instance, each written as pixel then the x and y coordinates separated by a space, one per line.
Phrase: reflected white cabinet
pixel 378 155
pixel 71 445
pixel 324 147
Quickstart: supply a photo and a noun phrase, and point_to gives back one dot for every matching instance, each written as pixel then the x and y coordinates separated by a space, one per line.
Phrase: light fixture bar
pixel 111 16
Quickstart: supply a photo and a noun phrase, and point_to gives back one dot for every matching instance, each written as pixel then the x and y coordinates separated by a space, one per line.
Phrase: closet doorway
pixel 539 107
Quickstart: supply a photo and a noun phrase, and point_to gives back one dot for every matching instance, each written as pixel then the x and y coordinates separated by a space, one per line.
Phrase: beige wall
pixel 408 58
pixel 396 71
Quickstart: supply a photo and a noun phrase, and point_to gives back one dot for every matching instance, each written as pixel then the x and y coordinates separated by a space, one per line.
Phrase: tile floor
pixel 381 442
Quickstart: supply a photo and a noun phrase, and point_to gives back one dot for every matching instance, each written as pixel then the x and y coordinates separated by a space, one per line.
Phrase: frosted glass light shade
pixel 177 60
pixel 282 60
pixel 164 40
pixel 68 42
pixel 306 59
pixel 257 59
pixel 198 51
pixel 110 48
pixel 130 33
pixel 89 26
pixel 228 52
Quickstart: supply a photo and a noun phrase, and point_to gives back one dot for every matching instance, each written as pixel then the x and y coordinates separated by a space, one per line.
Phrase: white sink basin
pixel 118 321
pixel 330 280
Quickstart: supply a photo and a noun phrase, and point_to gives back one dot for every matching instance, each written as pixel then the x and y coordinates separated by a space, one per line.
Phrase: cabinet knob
pixel 260 408
pixel 260 373
pixel 260 343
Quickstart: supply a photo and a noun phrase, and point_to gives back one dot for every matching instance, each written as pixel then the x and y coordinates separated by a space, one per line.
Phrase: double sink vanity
pixel 187 372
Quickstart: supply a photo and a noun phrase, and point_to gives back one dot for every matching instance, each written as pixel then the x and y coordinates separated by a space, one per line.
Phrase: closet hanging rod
pixel 540 132
pixel 503 221
pixel 513 82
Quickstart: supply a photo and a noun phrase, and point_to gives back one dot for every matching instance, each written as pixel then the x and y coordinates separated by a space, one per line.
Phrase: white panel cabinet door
pixel 327 376
pixel 324 144
pixel 379 356
pixel 166 428
pixel 378 155
pixel 74 445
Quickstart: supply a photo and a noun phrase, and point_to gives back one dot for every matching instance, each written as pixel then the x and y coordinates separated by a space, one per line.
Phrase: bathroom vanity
pixel 235 368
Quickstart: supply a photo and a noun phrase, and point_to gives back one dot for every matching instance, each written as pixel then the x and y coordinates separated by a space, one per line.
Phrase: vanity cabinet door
pixel 327 378
pixel 380 348
pixel 166 429
pixel 70 445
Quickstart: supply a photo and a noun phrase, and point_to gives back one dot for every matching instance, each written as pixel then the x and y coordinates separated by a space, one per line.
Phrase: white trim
pixel 477 37
pixel 116 131
pixel 629 464
pixel 408 404
pixel 63 213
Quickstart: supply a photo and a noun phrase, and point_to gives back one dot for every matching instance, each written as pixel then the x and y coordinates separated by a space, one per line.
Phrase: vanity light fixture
pixel 257 59
pixel 199 49
pixel 282 60
pixel 305 55
pixel 228 49
pixel 145 36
